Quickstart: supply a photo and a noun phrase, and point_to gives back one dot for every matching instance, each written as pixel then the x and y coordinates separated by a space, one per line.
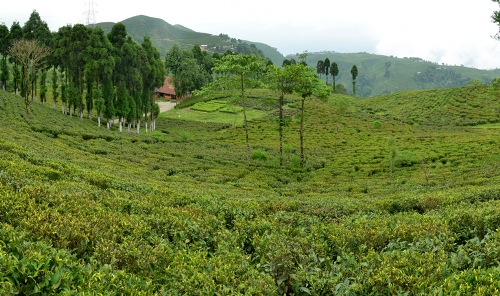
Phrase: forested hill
pixel 163 35
pixel 380 74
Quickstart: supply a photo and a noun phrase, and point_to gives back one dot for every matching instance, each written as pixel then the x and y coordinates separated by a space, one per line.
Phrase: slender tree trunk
pixel 120 123
pixel 245 118
pixel 99 120
pixel 281 123
pixel 302 157
pixel 146 123
pixel 138 126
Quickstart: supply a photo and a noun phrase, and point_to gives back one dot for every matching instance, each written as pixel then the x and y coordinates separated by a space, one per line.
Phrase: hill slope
pixel 377 74
pixel 164 35
pixel 382 74
pixel 178 211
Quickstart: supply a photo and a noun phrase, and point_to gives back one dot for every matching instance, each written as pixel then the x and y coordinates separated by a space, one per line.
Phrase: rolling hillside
pixel 382 74
pixel 88 210
pixel 164 35
pixel 377 74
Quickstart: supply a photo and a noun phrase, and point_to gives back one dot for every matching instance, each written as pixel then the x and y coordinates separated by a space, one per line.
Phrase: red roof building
pixel 167 90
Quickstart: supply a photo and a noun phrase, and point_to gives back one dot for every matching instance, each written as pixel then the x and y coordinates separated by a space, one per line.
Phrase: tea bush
pixel 180 211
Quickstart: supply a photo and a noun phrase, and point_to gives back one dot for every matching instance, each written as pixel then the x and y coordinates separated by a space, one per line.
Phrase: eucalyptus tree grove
pixel 91 61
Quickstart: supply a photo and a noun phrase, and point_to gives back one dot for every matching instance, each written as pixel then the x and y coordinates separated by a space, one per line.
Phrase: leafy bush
pixel 259 155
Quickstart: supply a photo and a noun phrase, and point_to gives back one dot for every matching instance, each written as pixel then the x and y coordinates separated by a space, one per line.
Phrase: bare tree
pixel 30 55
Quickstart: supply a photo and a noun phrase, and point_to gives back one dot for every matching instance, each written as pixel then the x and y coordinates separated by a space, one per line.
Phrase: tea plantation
pixel 399 195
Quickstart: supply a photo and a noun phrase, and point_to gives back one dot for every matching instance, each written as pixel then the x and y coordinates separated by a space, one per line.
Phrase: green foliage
pixel 210 106
pixel 179 211
pixel 259 155
pixel 377 124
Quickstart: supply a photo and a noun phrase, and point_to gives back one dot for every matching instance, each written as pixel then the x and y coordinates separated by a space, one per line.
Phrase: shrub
pixel 259 155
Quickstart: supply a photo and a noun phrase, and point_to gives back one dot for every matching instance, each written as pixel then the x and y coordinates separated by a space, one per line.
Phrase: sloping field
pixel 383 206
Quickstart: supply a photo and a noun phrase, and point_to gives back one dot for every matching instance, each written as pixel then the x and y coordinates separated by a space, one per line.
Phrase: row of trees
pixel 324 67
pixel 91 70
pixel 242 71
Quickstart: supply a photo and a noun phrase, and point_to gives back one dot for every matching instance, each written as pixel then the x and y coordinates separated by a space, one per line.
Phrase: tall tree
pixel 4 49
pixel 4 73
pixel 334 71
pixel 122 103
pixel 77 51
pixel 282 80
pixel 327 68
pixel 303 57
pixel 241 69
pixel 99 105
pixel 43 87
pixel 108 96
pixel 118 36
pixel 153 76
pixel 36 29
pixel 496 19
pixel 16 33
pixel 29 54
pixel 354 73
pixel 307 85
pixel 55 86
pixel 320 68
pixel 173 60
pixel 4 40
pixel 99 63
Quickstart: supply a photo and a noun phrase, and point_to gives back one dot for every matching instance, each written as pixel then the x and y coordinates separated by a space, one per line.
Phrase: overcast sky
pixel 454 32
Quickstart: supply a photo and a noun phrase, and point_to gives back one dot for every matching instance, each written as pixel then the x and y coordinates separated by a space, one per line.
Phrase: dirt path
pixel 165 106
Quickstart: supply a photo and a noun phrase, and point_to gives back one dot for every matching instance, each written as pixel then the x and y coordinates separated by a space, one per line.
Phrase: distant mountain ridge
pixel 163 35
pixel 378 74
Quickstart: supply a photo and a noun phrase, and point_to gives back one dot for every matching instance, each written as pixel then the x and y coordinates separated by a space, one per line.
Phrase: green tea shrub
pixel 259 155
pixel 377 124
pixel 405 159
